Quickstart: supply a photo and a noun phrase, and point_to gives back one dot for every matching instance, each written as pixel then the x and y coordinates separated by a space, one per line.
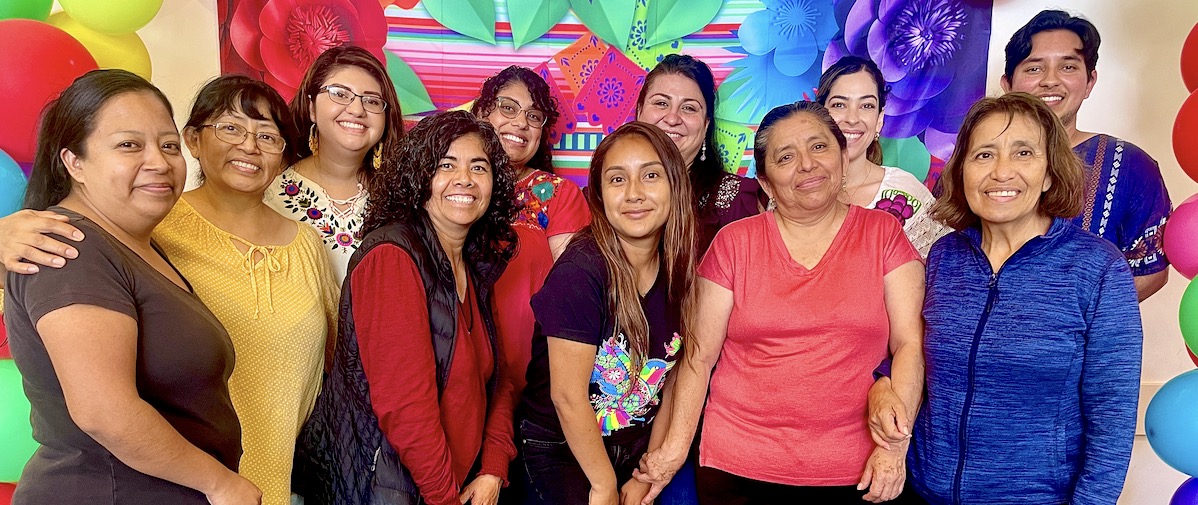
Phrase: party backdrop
pixel 597 52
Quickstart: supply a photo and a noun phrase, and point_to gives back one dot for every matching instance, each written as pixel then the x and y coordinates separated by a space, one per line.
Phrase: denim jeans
pixel 556 477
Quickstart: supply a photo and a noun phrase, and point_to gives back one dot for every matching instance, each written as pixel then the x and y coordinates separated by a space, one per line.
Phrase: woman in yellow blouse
pixel 265 277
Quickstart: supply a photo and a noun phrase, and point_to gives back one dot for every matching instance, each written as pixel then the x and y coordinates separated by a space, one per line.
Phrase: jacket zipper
pixel 973 354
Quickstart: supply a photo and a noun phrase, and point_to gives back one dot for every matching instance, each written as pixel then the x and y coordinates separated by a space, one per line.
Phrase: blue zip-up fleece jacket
pixel 1033 373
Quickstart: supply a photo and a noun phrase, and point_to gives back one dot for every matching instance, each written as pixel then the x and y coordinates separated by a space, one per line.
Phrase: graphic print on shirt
pixel 624 398
pixel 899 204
pixel 338 230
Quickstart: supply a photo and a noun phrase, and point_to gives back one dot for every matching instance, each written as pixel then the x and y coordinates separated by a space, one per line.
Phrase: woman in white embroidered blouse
pixel 854 93
pixel 347 115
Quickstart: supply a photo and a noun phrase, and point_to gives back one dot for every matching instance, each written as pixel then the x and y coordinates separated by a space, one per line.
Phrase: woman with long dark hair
pixel 412 401
pixel 609 324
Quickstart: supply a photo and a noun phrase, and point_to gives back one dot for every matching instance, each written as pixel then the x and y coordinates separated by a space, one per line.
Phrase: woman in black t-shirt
pixel 610 320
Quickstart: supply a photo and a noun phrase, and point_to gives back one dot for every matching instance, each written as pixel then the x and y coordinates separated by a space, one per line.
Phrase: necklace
pixel 860 185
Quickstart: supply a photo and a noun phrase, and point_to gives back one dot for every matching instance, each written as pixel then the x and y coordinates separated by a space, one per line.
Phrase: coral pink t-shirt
pixel 788 396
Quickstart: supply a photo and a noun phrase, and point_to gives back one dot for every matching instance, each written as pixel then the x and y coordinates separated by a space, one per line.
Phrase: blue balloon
pixel 1171 423
pixel 1187 494
pixel 12 185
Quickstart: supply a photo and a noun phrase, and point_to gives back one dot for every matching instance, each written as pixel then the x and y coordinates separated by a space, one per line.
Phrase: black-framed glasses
pixel 511 108
pixel 235 134
pixel 343 96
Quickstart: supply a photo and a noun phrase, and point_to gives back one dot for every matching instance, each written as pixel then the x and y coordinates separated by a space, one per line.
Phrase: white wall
pixel 1138 94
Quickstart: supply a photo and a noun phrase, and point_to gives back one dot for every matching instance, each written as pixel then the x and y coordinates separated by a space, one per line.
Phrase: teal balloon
pixel 1187 316
pixel 14 424
pixel 37 10
pixel 1171 423
pixel 12 185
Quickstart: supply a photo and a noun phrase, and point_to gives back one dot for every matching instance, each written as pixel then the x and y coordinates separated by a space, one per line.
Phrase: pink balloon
pixel 1181 238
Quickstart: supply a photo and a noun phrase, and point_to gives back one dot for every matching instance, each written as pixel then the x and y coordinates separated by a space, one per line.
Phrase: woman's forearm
pixel 586 442
pixel 142 439
pixel 688 395
pixel 907 377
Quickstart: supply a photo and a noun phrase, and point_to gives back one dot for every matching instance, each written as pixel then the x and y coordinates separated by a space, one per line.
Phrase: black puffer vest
pixel 342 456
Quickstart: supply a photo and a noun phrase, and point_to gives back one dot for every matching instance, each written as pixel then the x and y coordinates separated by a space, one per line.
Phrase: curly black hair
pixel 401 188
pixel 542 100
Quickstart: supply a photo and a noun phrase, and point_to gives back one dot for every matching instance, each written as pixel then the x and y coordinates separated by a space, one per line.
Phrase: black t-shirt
pixel 573 305
pixel 184 358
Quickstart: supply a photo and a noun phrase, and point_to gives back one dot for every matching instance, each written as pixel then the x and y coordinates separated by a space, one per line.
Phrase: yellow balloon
pixel 112 16
pixel 125 51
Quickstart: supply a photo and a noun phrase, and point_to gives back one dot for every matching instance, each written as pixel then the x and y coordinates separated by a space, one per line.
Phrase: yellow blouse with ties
pixel 279 304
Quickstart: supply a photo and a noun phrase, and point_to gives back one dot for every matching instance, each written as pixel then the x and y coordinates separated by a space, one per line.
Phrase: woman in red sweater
pixel 411 408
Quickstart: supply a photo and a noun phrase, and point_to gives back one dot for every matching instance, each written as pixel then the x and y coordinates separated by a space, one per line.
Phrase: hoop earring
pixel 378 156
pixel 313 140
pixel 703 152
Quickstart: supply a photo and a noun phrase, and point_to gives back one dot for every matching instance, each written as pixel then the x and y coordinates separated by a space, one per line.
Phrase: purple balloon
pixel 27 168
pixel 1187 494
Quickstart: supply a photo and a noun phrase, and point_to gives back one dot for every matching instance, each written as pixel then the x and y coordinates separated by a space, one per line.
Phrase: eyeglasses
pixel 343 96
pixel 235 134
pixel 511 108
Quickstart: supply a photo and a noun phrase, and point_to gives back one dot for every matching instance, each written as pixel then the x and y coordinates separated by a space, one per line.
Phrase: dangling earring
pixel 844 182
pixel 378 156
pixel 313 141
pixel 877 137
pixel 703 152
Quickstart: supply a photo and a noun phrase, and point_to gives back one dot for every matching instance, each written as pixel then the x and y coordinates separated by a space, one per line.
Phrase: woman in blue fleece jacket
pixel 1033 329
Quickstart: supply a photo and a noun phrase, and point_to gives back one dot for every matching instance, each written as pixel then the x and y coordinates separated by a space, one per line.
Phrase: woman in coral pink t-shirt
pixel 798 305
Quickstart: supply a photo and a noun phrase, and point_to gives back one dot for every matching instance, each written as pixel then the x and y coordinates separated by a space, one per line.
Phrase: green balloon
pixel 1188 316
pixel 37 10
pixel 14 424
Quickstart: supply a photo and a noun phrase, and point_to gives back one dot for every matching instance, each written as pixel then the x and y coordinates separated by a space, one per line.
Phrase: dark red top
pixel 437 441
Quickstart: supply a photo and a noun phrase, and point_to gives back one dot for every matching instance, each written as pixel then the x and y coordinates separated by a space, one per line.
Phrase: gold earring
pixel 313 140
pixel 378 156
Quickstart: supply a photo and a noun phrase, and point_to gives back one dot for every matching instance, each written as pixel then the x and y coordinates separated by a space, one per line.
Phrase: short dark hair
pixel 1063 198
pixel 325 64
pixel 850 65
pixel 1020 45
pixel 705 173
pixel 542 100
pixel 67 122
pixel 777 114
pixel 237 92
pixel 400 189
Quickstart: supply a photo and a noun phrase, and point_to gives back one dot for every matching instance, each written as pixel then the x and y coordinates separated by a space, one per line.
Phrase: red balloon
pixel 1189 60
pixel 1192 356
pixel 37 62
pixel 6 491
pixel 1185 136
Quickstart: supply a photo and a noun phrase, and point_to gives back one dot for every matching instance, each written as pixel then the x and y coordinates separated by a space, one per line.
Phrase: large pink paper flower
pixel 281 38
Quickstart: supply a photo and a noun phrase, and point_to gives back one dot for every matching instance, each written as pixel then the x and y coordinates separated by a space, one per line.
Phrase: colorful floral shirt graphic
pixel 298 198
pixel 624 398
pixel 551 203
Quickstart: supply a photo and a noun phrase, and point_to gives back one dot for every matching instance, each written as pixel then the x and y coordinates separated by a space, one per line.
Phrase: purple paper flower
pixel 933 55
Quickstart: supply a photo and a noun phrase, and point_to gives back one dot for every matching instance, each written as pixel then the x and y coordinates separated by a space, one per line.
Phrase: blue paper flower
pixel 932 53
pixel 794 31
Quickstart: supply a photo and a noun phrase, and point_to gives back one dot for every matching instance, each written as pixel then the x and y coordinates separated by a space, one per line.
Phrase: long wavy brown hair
pixel 676 249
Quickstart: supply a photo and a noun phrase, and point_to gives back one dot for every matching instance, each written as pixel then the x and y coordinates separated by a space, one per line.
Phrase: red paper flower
pixel 281 38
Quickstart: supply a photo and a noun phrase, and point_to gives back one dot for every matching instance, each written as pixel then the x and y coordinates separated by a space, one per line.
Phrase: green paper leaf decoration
pixel 611 20
pixel 472 18
pixel 533 18
pixel 413 97
pixel 909 154
pixel 732 139
pixel 731 105
pixel 674 19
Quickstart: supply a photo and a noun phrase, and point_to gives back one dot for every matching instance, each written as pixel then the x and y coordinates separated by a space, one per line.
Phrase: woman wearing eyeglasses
pixel 347 115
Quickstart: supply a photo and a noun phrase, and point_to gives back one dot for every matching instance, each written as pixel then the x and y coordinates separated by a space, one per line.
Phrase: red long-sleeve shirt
pixel 437 441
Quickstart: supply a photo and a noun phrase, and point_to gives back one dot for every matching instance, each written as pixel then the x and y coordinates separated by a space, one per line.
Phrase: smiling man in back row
pixel 1053 57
